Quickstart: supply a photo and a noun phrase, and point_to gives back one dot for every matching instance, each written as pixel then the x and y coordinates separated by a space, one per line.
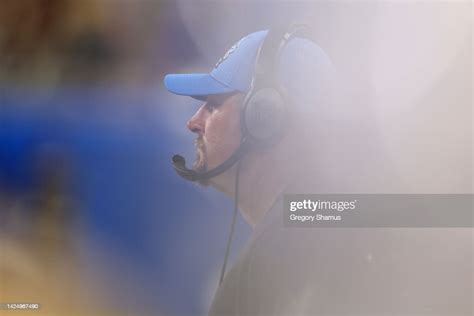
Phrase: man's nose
pixel 196 122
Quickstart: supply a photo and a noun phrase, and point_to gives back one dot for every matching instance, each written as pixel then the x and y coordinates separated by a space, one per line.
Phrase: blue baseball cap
pixel 232 73
pixel 302 70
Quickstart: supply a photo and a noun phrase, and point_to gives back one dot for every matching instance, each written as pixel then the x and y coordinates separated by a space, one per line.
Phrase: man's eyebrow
pixel 216 100
pixel 212 101
pixel 220 98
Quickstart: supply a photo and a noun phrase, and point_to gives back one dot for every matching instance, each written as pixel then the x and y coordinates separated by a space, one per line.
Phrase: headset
pixel 263 114
pixel 264 109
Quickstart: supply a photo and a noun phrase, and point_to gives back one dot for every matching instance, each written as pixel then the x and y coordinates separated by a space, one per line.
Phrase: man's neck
pixel 259 188
pixel 264 176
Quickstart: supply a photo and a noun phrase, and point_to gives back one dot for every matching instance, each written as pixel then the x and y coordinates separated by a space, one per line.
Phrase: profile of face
pixel 217 126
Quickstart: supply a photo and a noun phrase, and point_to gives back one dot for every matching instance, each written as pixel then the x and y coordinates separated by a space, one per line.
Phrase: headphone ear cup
pixel 264 113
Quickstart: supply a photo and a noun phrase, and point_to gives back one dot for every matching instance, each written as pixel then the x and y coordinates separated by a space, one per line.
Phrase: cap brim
pixel 198 86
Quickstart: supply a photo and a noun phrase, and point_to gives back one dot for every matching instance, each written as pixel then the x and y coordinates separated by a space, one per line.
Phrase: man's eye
pixel 211 106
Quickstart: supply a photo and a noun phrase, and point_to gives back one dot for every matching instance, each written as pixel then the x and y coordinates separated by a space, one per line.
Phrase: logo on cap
pixel 227 54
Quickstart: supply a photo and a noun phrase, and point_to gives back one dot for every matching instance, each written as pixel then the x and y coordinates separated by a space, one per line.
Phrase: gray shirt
pixel 348 271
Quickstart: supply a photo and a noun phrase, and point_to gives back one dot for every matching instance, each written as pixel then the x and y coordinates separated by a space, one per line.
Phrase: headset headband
pixel 269 53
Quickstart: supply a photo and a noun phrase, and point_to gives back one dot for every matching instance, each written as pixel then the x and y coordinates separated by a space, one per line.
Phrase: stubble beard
pixel 200 164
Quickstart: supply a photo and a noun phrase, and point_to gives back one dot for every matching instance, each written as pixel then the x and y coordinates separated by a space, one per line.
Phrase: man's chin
pixel 201 168
pixel 204 183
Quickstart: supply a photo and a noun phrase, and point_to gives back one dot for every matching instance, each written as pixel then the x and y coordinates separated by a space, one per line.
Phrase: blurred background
pixel 93 220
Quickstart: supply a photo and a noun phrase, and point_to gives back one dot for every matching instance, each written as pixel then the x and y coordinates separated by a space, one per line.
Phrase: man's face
pixel 217 125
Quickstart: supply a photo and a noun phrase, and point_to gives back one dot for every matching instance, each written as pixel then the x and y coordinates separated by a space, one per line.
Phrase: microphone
pixel 179 165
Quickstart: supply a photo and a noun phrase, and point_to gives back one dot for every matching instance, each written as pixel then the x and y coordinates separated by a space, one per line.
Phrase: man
pixel 320 149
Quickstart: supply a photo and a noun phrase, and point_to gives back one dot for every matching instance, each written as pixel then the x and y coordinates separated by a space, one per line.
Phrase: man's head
pixel 218 122
pixel 217 127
